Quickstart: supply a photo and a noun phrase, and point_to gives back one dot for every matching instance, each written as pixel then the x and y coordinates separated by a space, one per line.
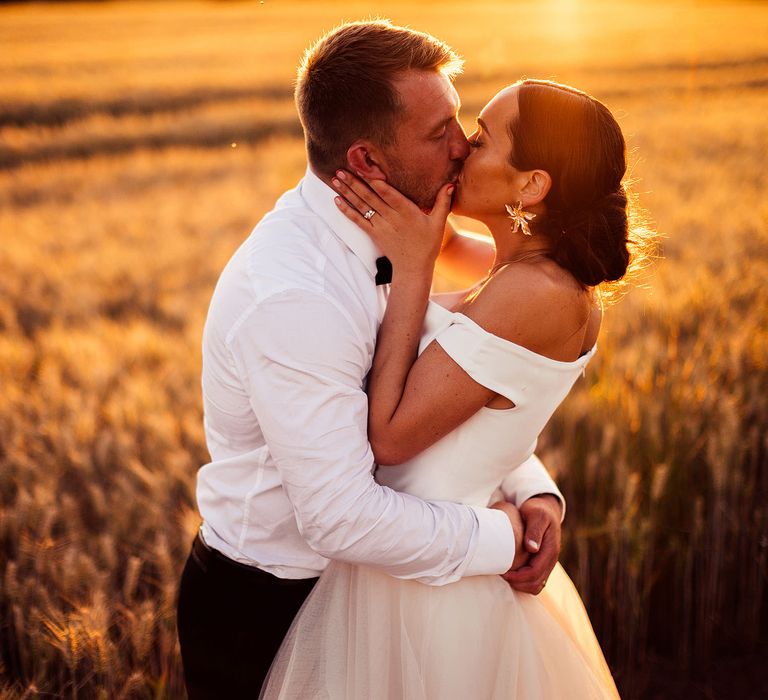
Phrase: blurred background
pixel 140 142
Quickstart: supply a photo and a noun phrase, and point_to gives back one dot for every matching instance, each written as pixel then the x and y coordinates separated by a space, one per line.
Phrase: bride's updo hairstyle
pixel 576 139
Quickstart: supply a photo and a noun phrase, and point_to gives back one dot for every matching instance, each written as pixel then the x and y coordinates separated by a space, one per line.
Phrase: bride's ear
pixel 536 188
pixel 363 158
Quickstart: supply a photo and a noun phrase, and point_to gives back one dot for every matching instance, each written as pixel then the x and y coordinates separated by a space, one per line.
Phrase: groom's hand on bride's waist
pixel 541 540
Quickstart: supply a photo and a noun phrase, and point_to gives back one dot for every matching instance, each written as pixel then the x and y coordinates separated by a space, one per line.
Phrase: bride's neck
pixel 510 245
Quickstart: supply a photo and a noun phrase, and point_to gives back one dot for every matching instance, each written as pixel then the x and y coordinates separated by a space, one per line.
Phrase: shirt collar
pixel 319 198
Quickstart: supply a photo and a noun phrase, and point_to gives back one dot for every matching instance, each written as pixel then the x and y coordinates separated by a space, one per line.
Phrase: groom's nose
pixel 459 145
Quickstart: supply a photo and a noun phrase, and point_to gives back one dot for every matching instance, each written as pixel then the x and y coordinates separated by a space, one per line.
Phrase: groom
pixel 288 343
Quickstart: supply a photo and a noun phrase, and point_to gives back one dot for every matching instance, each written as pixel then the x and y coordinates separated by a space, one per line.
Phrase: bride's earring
pixel 520 218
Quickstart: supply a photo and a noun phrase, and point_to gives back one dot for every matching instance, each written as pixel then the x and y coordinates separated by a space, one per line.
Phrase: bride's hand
pixel 408 236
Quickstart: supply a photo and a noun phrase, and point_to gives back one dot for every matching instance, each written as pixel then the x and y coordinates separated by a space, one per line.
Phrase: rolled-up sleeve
pixel 303 361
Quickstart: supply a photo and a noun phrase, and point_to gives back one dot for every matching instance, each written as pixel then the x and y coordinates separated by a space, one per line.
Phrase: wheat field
pixel 139 144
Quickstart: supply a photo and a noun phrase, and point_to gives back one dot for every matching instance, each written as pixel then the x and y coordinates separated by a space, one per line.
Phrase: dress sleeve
pixel 491 361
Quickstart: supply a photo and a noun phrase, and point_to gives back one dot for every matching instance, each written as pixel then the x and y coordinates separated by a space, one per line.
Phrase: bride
pixel 460 391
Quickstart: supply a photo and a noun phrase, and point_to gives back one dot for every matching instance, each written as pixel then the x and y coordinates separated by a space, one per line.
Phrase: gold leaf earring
pixel 520 218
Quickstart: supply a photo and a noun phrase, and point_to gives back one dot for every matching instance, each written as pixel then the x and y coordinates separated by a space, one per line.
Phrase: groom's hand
pixel 541 515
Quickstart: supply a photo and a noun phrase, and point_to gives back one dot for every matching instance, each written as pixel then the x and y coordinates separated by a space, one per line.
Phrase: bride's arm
pixel 413 402
pixel 411 239
pixel 412 406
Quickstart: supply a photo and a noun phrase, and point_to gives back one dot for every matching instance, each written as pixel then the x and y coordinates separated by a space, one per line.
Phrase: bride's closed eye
pixel 474 141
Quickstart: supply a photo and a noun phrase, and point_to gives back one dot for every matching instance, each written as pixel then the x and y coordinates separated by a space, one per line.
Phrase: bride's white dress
pixel 364 635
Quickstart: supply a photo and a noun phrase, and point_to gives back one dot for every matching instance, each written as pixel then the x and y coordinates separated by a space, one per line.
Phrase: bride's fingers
pixel 352 213
pixel 353 198
pixel 534 534
pixel 442 206
pixel 399 202
pixel 350 183
pixel 390 195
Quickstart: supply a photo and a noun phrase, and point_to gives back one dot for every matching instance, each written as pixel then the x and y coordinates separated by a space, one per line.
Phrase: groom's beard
pixel 415 188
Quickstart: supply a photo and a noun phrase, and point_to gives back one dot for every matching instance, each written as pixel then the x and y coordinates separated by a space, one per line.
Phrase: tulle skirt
pixel 363 635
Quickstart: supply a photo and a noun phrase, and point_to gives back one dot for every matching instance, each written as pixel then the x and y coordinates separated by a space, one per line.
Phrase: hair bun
pixel 575 138
pixel 593 242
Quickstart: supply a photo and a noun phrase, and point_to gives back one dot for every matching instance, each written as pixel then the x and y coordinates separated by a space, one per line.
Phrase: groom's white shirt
pixel 287 346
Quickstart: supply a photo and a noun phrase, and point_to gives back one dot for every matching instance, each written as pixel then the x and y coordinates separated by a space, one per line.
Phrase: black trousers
pixel 231 621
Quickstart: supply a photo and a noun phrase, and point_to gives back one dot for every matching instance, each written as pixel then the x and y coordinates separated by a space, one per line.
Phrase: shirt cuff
pixel 495 550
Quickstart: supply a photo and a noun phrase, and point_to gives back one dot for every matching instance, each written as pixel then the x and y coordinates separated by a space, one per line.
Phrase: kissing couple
pixel 375 522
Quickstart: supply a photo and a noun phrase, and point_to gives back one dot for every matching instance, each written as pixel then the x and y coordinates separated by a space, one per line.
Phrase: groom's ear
pixel 363 158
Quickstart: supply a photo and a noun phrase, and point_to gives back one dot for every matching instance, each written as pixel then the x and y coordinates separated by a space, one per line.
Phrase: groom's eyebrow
pixel 440 124
pixel 447 120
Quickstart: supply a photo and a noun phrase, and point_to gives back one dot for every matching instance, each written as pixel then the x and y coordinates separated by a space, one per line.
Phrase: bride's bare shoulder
pixel 537 305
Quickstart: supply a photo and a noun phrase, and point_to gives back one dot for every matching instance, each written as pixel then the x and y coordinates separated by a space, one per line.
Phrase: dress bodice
pixel 469 463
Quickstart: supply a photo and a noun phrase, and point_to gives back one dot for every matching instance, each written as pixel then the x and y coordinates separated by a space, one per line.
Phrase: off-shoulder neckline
pixel 582 359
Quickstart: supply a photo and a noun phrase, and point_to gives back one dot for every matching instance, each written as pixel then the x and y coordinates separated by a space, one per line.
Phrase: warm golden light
pixel 139 144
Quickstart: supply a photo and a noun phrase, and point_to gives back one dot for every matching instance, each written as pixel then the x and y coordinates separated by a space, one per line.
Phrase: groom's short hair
pixel 345 90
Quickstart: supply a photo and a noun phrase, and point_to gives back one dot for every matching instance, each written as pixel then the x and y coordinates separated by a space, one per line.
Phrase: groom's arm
pixel 303 360
pixel 530 479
